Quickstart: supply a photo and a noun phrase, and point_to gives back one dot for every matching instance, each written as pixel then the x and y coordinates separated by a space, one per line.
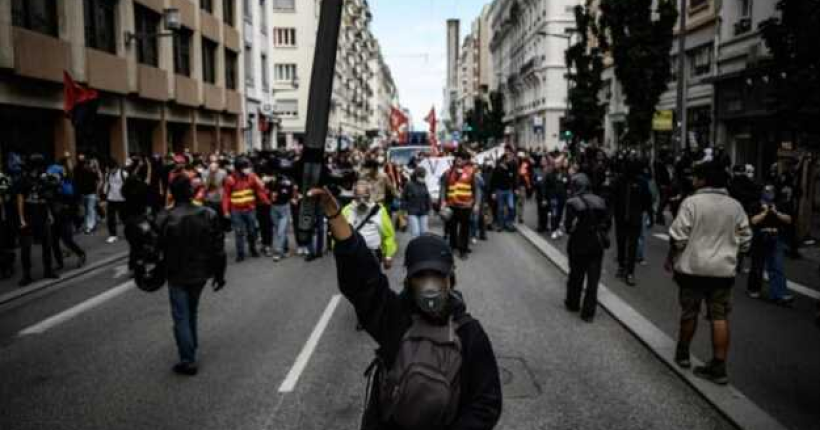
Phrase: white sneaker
pixel 112 239
pixel 554 235
pixel 474 241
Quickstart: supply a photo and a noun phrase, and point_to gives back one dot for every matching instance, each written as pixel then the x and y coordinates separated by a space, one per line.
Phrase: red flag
pixel 399 123
pixel 74 94
pixel 431 120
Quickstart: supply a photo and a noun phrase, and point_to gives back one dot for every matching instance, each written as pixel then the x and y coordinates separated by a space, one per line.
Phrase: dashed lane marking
pixel 307 351
pixel 72 312
pixel 120 271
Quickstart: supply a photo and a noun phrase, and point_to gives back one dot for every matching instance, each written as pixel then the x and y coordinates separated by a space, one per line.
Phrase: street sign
pixel 663 120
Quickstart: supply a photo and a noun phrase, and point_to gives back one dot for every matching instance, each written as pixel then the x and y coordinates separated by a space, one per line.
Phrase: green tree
pixel 495 116
pixel 640 40
pixel 794 69
pixel 586 114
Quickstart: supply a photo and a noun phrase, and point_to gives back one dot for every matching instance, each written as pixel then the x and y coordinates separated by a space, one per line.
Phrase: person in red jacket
pixel 242 188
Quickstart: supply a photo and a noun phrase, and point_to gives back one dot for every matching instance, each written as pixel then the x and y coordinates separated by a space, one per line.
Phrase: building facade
pixel 156 94
pixel 475 68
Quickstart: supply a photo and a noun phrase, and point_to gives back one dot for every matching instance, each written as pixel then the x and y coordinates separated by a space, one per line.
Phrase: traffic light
pixel 564 132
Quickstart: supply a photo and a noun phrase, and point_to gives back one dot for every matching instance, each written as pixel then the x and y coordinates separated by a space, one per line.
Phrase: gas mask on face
pixel 431 295
pixel 362 203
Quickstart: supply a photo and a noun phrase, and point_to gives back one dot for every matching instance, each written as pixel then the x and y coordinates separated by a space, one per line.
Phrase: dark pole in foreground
pixel 321 88
pixel 684 142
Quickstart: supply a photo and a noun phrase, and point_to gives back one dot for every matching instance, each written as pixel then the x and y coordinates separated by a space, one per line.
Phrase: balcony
pixel 743 26
pixel 152 83
pixel 209 26
pixel 40 56
pixel 187 12
pixel 187 91
pixel 105 71
pixel 214 97
pixel 233 102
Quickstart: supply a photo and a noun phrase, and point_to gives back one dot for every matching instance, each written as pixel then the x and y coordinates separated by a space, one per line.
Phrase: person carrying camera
pixel 768 249
pixel 424 330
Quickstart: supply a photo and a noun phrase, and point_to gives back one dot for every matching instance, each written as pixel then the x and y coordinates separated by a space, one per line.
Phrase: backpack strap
pixel 369 216
pixel 462 320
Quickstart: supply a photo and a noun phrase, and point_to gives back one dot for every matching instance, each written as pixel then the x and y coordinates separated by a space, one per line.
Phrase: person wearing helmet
pixel 428 316
pixel 34 195
pixel 242 188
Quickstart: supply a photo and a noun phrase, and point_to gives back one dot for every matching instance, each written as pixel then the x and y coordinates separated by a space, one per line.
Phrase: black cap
pixel 429 252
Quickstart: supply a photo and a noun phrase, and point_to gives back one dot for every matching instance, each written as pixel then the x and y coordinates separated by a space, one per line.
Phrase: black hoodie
pixel 386 316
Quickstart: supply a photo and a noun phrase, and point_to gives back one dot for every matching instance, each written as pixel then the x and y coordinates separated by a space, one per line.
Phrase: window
pixel 230 70
pixel 284 37
pixel 207 5
pixel 146 21
pixel 228 12
pixel 248 67
pixel 263 18
pixel 745 8
pixel 35 15
pixel 694 4
pixel 182 52
pixel 673 66
pixel 248 6
pixel 265 86
pixel 289 5
pixel 700 61
pixel 287 107
pixel 285 72
pixel 208 61
pixel 99 25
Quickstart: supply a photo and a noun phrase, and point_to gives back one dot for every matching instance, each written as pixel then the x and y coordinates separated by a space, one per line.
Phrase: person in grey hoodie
pixel 710 229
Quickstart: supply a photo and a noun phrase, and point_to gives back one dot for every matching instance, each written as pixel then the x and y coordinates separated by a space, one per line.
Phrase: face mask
pixel 420 179
pixel 431 296
pixel 380 160
pixel 246 172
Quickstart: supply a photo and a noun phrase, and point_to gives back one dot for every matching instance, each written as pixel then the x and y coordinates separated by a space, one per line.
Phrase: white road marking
pixel 307 351
pixel 72 312
pixel 120 271
pixel 794 286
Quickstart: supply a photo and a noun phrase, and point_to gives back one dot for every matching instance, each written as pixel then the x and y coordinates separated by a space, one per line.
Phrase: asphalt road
pixel 775 352
pixel 108 367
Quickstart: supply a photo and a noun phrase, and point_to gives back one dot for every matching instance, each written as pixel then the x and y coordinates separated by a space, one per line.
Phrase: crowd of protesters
pixel 257 195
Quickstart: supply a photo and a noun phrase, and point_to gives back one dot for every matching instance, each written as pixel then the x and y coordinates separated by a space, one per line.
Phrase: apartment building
pixel 475 67
pixel 359 71
pixel 530 68
pixel 157 94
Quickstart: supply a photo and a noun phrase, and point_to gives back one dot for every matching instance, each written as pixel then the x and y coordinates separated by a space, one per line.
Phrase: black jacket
pixel 632 198
pixel 505 178
pixel 746 192
pixel 416 199
pixel 386 316
pixel 587 221
pixel 193 245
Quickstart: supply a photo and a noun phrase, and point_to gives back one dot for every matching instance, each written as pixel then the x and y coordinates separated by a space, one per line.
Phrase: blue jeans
pixel 90 205
pixel 775 268
pixel 642 238
pixel 418 224
pixel 281 223
pixel 184 309
pixel 317 247
pixel 244 226
pixel 506 208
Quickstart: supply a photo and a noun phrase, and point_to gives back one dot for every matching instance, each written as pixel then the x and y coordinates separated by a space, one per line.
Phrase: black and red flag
pixel 80 106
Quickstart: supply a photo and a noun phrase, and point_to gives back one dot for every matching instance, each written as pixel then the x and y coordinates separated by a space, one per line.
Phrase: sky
pixel 413 38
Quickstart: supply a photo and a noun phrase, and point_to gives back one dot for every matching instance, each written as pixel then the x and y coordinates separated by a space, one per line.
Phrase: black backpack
pixel 421 390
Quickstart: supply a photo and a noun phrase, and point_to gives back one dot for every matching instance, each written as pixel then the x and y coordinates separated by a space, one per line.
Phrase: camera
pixel 5 185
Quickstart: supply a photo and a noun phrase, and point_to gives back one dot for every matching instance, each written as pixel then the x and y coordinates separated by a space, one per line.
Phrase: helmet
pixel 446 214
pixel 149 270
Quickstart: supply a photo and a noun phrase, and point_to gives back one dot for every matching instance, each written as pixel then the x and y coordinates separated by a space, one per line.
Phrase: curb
pixel 731 403
pixel 42 285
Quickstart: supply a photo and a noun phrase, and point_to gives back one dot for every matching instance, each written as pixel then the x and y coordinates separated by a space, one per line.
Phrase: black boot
pixel 25 280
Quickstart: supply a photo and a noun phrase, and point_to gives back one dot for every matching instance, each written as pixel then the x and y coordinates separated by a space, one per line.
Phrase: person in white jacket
pixel 711 228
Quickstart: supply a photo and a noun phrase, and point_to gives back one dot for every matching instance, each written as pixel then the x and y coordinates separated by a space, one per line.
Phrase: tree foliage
pixel 640 40
pixel 792 39
pixel 486 119
pixel 586 114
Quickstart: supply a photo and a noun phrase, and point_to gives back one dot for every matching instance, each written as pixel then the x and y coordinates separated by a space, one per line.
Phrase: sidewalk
pixel 98 251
